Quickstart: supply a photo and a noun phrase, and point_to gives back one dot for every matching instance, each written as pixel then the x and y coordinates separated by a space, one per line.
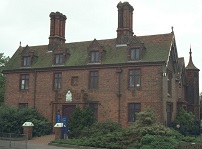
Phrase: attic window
pixel 134 54
pixel 26 61
pixel 94 57
pixel 59 59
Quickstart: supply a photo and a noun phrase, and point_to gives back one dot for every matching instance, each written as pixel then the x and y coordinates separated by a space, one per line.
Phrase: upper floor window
pixel 93 80
pixel 75 81
pixel 26 62
pixel 59 59
pixel 134 78
pixel 134 54
pixel 57 80
pixel 94 57
pixel 169 84
pixel 133 109
pixel 24 82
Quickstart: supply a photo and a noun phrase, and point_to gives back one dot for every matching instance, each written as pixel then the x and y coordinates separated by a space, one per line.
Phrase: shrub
pixel 146 124
pixel 186 120
pixel 158 142
pixel 12 119
pixel 100 128
pixel 79 120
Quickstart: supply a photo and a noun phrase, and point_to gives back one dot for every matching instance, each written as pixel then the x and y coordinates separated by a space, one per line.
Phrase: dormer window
pixel 134 54
pixel 94 56
pixel 28 56
pixel 95 52
pixel 59 59
pixel 26 62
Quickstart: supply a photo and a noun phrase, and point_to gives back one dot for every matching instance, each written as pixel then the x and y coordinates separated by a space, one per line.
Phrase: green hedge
pixel 12 119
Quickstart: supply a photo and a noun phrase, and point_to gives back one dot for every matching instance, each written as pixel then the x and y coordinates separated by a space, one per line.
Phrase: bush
pixel 100 128
pixel 186 121
pixel 158 142
pixel 146 133
pixel 12 119
pixel 79 120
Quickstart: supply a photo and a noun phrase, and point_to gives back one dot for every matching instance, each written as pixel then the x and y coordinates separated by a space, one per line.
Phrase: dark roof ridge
pixel 154 35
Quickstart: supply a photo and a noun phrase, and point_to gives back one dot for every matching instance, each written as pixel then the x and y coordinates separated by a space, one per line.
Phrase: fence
pixel 186 145
pixel 11 140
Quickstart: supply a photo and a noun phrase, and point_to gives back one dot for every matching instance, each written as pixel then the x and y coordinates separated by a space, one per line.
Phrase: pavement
pixel 42 143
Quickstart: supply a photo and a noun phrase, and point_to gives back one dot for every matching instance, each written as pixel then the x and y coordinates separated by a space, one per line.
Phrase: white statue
pixel 69 96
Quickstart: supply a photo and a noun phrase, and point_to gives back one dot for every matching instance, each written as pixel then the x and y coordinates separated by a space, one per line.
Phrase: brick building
pixel 115 77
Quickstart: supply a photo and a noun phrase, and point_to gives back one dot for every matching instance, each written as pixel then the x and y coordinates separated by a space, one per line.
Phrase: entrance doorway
pixel 169 109
pixel 67 110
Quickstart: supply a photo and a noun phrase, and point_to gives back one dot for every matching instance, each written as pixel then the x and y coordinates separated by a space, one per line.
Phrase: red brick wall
pixel 150 93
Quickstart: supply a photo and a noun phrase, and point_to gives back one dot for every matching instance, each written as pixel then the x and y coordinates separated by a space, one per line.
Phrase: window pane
pixel 57 80
pixel 58 58
pixel 26 61
pixel 134 54
pixel 134 78
pixel 94 108
pixel 137 54
pixel 93 80
pixel 137 81
pixel 131 112
pixel 24 83
pixel 95 56
pixel 133 109
pixel 131 81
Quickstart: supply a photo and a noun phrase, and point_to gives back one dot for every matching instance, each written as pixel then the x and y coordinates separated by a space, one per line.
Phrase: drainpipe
pixel 119 71
pixel 35 79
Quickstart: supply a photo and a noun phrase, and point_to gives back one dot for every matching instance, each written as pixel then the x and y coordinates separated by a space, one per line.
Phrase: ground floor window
pixel 133 109
pixel 94 108
pixel 23 105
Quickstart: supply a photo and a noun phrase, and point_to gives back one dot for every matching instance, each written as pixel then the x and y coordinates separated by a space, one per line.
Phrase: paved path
pixel 42 143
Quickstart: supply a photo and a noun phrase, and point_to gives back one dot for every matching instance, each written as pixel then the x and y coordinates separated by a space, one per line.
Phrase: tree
pixel 80 119
pixel 200 99
pixel 186 121
pixel 3 61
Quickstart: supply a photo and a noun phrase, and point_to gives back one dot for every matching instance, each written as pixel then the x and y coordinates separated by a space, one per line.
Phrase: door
pixel 67 110
pixel 169 114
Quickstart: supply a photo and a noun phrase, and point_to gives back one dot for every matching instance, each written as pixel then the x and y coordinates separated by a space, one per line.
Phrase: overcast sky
pixel 28 21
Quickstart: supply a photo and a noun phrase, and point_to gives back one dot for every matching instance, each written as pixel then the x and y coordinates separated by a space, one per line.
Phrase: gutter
pixel 84 67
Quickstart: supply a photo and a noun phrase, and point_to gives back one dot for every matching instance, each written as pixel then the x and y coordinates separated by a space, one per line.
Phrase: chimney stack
pixel 125 22
pixel 57 27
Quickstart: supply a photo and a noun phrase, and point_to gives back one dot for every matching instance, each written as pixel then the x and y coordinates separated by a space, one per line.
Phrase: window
pixel 133 109
pixel 58 59
pixel 94 57
pixel 134 54
pixel 169 84
pixel 134 78
pixel 74 81
pixel 94 108
pixel 23 105
pixel 93 81
pixel 57 80
pixel 26 61
pixel 24 82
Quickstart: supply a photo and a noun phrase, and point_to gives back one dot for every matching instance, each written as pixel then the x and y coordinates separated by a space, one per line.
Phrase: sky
pixel 28 22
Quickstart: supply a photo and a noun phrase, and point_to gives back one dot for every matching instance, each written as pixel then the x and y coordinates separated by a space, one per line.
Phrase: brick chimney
pixel 125 22
pixel 57 27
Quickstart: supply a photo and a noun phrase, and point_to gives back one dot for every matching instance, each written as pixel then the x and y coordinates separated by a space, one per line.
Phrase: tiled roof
pixel 157 50
pixel 191 64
